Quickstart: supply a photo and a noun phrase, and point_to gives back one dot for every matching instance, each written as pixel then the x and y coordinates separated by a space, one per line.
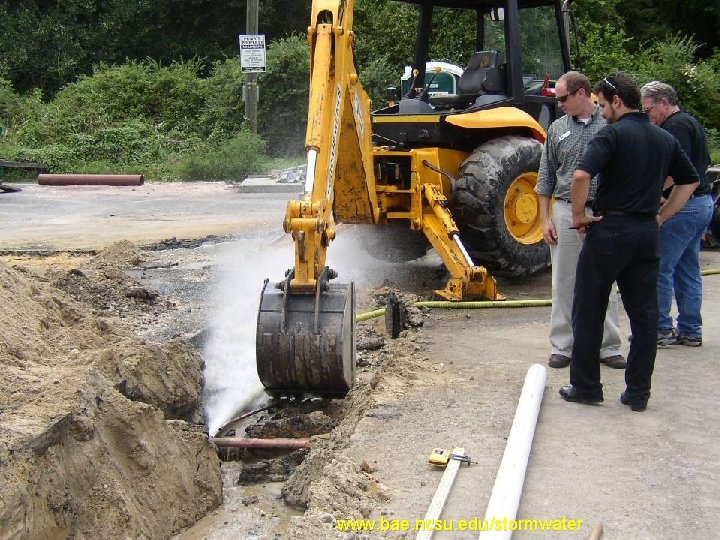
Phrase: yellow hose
pixel 370 315
pixel 484 304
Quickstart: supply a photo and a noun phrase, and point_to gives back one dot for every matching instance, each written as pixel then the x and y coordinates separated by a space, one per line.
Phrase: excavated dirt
pixel 96 425
pixel 102 428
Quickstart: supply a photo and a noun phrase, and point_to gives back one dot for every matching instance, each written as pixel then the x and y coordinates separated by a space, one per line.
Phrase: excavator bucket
pixel 305 343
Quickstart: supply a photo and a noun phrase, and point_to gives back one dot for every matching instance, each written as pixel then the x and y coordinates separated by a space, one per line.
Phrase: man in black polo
pixel 633 157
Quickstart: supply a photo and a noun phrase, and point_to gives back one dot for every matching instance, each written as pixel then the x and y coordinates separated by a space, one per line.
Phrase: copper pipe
pixel 91 179
pixel 239 442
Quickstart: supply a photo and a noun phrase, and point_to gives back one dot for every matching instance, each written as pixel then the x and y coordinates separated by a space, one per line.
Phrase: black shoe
pixel 636 403
pixel 689 341
pixel 616 362
pixel 558 361
pixel 570 393
pixel 666 337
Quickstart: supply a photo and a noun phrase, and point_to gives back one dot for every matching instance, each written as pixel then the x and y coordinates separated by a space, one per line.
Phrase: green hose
pixel 710 272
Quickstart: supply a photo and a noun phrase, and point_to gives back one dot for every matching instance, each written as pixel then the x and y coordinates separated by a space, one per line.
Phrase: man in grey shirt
pixel 567 138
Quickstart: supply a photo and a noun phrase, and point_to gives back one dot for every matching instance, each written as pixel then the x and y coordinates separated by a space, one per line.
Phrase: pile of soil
pixel 96 432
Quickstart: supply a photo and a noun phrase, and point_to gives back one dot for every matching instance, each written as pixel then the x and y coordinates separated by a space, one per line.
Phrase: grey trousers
pixel 564 256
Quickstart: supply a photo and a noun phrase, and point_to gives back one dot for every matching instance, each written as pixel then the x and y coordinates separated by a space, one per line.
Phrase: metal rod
pixel 310 171
pixel 458 242
pixel 239 442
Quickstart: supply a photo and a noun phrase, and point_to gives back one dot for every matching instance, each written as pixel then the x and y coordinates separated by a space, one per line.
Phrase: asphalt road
pixel 90 217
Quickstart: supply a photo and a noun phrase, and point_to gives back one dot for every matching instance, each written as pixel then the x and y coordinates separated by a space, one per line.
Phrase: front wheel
pixel 496 208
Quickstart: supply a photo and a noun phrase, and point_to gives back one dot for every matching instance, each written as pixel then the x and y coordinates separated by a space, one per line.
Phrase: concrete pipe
pixel 91 179
pixel 238 442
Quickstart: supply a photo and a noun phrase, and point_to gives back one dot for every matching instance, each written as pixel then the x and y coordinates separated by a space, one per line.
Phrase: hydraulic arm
pixel 306 326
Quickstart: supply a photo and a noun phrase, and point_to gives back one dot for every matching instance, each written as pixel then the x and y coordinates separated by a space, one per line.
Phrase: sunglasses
pixel 563 99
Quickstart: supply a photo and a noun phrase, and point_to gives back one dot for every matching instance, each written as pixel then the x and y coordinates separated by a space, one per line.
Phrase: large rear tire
pixel 496 209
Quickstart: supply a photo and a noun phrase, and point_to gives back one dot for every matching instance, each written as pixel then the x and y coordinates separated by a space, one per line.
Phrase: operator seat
pixel 484 81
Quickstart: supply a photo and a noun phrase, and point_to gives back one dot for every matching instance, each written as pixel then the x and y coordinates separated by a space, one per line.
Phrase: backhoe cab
pixel 453 172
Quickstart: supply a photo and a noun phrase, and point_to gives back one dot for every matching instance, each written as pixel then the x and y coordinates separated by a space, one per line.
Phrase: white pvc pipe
pixel 505 499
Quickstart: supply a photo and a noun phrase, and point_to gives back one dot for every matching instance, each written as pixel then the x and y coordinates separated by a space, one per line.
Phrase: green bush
pixel 168 97
pixel 223 111
pixel 17 110
pixel 120 148
pixel 603 48
pixel 674 61
pixel 284 94
pixel 376 76
pixel 234 159
pixel 714 144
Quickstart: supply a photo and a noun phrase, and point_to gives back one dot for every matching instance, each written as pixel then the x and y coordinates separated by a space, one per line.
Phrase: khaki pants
pixel 564 257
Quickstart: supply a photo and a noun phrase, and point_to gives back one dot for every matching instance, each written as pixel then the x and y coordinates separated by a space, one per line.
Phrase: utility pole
pixel 250 89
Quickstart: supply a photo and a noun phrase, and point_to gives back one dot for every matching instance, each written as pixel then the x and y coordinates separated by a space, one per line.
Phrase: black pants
pixel 623 249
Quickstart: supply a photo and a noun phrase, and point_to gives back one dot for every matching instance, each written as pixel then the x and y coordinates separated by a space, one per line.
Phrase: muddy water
pixel 258 511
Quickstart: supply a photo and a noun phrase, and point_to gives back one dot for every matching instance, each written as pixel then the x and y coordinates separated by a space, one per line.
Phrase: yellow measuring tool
pixel 441 457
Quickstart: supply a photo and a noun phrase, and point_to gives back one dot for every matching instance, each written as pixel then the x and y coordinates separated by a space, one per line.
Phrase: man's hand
pixel 582 222
pixel 549 232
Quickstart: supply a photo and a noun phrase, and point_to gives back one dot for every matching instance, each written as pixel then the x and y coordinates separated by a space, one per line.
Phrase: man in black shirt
pixel 633 158
pixel 680 236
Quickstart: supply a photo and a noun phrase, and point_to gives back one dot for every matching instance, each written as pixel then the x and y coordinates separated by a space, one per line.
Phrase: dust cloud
pixel 352 263
pixel 231 380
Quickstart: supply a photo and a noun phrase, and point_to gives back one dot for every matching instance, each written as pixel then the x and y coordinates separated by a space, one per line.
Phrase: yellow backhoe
pixel 451 172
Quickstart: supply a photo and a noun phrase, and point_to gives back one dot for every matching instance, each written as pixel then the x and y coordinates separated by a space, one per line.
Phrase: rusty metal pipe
pixel 221 432
pixel 91 179
pixel 239 442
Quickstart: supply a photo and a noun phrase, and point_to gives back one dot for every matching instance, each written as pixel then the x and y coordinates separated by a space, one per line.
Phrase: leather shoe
pixel 571 393
pixel 636 403
pixel 558 361
pixel 616 362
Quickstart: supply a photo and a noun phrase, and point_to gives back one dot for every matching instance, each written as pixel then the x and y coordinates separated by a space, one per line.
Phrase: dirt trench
pixel 98 428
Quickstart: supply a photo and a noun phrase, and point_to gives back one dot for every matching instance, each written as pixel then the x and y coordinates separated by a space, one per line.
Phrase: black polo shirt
pixel 633 158
pixel 691 135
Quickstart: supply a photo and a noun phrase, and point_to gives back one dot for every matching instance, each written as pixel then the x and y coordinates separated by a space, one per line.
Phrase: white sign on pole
pixel 252 53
